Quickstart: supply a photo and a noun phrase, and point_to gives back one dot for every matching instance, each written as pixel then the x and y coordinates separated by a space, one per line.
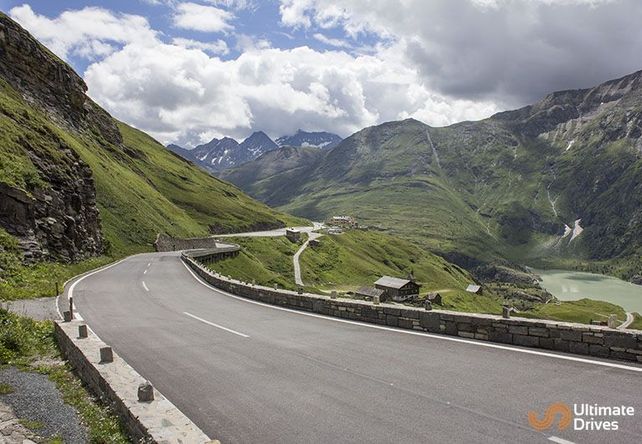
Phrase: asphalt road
pixel 245 372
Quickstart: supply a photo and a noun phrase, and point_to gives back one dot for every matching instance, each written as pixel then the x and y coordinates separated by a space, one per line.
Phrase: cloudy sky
pixel 187 71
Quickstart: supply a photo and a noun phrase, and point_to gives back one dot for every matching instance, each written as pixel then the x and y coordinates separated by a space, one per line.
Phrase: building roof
pixel 433 295
pixel 392 282
pixel 472 288
pixel 370 291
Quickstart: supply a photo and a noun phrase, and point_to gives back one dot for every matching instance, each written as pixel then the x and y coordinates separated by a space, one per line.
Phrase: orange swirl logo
pixel 549 417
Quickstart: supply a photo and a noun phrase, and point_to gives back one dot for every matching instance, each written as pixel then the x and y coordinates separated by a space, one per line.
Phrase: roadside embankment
pixel 597 341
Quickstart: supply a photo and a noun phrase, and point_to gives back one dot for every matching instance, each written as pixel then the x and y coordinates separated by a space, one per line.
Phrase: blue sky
pixel 261 20
pixel 186 71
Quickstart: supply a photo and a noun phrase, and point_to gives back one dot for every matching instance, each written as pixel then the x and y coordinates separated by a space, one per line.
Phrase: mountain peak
pixel 301 138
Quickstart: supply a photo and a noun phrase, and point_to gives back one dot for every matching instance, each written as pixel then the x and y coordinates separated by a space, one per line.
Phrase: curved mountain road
pixel 248 372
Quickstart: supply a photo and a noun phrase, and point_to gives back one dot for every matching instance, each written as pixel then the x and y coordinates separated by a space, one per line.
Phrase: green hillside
pixel 501 190
pixel 352 260
pixel 358 258
pixel 77 186
pixel 263 260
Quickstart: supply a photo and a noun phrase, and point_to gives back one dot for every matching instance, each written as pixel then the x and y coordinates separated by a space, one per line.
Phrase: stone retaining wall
pixel 158 421
pixel 168 243
pixel 598 341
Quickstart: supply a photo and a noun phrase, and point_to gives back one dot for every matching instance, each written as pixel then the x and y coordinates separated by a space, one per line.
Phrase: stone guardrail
pixel 153 420
pixel 168 243
pixel 597 341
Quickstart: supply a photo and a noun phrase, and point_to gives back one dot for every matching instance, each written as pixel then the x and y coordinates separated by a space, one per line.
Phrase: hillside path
pixel 295 259
pixel 629 321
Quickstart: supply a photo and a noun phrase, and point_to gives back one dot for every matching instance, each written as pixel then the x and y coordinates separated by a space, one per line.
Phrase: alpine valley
pixel 556 183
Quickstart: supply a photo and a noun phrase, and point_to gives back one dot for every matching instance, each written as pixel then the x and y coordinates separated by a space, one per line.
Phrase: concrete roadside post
pixel 66 316
pixel 612 321
pixel 71 306
pixel 427 305
pixel 145 392
pixel 376 300
pixel 82 331
pixel 106 355
pixel 506 312
pixel 333 295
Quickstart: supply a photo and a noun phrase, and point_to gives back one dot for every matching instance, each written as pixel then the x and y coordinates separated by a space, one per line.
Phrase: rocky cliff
pixel 53 213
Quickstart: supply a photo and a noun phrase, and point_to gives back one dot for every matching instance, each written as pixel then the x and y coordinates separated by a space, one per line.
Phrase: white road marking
pixel 416 333
pixel 560 440
pixel 70 293
pixel 215 325
pixel 145 272
pixel 145 286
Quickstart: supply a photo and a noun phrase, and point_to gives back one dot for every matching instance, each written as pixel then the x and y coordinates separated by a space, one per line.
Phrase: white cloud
pixel 234 4
pixel 183 95
pixel 202 18
pixel 337 43
pixel 89 32
pixel 295 13
pixel 214 47
pixel 509 51
pixel 182 92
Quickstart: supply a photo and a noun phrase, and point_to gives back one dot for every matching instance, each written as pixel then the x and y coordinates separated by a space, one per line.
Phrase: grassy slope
pixel 142 190
pixel 266 261
pixel 358 258
pixel 31 346
pixel 153 190
pixel 349 261
pixel 637 323
pixel 583 311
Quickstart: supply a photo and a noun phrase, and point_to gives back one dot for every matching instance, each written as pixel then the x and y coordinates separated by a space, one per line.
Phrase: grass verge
pixel 30 346
pixel 637 323
pixel 583 311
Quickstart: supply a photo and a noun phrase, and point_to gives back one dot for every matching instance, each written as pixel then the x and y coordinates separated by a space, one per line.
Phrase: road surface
pixel 246 372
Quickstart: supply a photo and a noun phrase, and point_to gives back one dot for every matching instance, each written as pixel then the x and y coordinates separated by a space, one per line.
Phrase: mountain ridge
pixel 508 187
pixel 219 155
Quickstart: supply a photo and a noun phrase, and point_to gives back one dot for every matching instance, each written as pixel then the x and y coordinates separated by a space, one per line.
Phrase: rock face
pixel 56 216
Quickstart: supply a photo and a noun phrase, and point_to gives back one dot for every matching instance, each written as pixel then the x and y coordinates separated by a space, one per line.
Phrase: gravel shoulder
pixel 38 403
